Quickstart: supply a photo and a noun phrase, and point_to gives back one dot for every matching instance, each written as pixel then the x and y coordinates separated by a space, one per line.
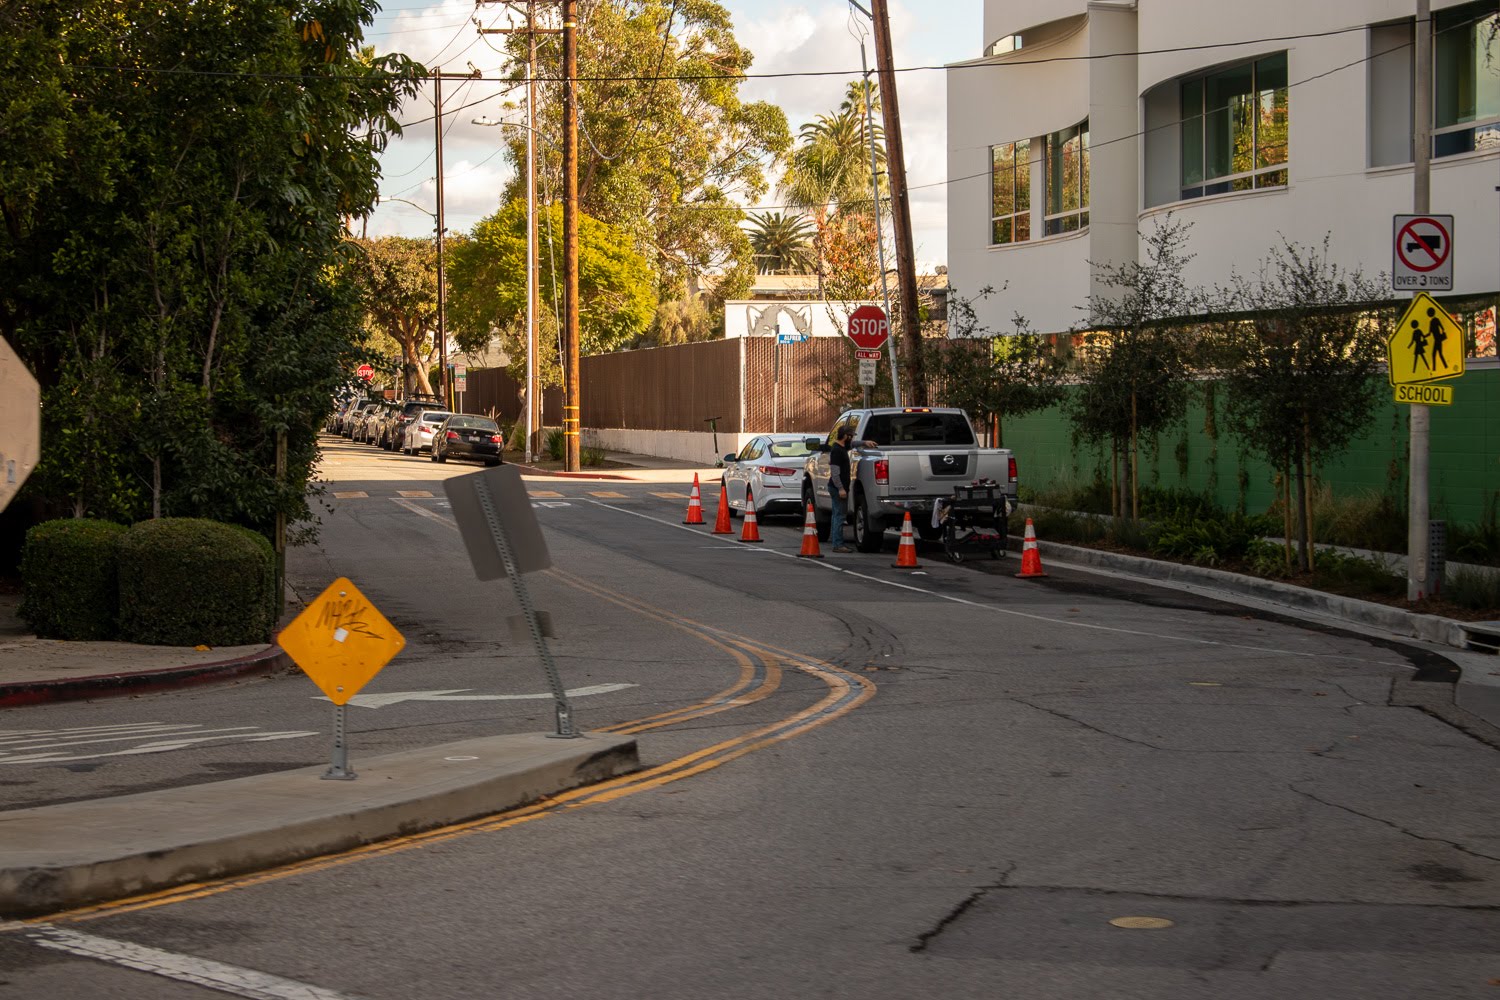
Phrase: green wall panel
pixel 1465 450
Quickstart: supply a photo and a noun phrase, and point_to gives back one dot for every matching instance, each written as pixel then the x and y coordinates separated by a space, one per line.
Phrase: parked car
pixel 771 467
pixel 464 436
pixel 370 423
pixel 393 425
pixel 417 437
pixel 341 410
pixel 355 421
pixel 917 456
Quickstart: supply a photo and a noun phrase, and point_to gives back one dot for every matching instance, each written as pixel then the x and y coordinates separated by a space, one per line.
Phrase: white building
pixel 1084 122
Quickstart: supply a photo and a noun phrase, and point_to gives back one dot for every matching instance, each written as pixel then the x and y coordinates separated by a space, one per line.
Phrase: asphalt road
pixel 876 784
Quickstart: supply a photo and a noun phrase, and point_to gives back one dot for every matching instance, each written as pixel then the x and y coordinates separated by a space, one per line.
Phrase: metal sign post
pixel 502 536
pixel 338 768
pixel 565 729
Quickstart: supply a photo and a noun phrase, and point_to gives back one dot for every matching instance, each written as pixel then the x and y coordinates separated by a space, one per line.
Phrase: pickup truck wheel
pixel 868 534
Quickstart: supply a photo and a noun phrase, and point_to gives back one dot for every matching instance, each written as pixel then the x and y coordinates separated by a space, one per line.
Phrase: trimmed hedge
pixel 188 581
pixel 68 569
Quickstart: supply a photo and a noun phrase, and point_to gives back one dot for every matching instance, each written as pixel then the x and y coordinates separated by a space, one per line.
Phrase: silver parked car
pixel 419 430
pixel 770 466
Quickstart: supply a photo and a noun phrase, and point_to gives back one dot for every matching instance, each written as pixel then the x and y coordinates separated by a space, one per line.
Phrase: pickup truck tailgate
pixel 930 472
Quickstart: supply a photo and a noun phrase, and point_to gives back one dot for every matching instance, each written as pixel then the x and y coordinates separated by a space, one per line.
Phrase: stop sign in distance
pixel 365 372
pixel 868 327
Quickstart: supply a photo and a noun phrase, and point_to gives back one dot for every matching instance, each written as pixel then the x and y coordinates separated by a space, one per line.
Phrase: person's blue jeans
pixel 836 526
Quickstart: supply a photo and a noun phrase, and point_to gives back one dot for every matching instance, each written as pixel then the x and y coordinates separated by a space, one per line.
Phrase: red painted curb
pixel 271 660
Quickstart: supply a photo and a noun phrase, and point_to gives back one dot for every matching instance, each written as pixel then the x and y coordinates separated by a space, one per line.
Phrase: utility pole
pixel 885 289
pixel 533 416
pixel 895 161
pixel 570 237
pixel 1418 524
pixel 442 278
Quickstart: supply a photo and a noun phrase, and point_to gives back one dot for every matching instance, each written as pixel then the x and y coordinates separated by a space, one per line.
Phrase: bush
pixel 187 581
pixel 555 446
pixel 1477 543
pixel 1473 589
pixel 1209 539
pixel 591 456
pixel 68 577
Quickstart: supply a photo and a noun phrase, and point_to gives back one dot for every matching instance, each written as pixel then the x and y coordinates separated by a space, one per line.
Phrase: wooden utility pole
pixel 442 278
pixel 895 160
pixel 571 457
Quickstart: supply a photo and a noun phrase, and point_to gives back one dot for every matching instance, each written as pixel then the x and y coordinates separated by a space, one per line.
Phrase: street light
pixel 442 329
pixel 531 283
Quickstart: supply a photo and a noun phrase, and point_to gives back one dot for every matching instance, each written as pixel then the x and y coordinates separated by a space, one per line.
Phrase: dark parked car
pixel 465 436
pixel 355 421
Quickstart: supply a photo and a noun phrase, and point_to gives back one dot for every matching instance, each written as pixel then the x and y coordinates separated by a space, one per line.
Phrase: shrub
pixel 187 581
pixel 1207 540
pixel 555 447
pixel 1477 543
pixel 1473 589
pixel 68 578
pixel 591 456
pixel 1348 574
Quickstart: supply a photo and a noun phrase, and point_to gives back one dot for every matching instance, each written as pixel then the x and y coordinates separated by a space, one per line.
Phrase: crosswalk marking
pixel 414 493
pixel 605 494
pixel 543 494
pixel 667 496
pixel 47 746
pixel 349 494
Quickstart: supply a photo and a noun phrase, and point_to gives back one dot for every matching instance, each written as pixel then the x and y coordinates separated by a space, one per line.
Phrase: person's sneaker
pixel 841 548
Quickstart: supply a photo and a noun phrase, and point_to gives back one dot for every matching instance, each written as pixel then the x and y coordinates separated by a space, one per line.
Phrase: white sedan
pixel 771 467
pixel 418 437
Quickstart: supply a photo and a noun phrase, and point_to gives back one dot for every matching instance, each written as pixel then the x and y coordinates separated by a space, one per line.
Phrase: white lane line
pixel 458 694
pixel 1072 623
pixel 184 968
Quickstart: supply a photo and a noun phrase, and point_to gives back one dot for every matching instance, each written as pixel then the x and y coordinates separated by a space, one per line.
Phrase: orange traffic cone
pixel 906 552
pixel 695 505
pixel 810 548
pixel 721 523
pixel 1031 559
pixel 751 531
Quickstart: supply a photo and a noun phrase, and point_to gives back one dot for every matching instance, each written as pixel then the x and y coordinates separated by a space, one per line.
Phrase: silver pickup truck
pixel 919 455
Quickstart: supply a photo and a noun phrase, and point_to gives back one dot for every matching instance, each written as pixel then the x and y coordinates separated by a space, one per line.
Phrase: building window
pixel 1010 216
pixel 1067 171
pixel 1234 128
pixel 1466 83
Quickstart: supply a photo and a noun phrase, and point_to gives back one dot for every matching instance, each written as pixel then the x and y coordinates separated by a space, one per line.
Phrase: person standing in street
pixel 839 483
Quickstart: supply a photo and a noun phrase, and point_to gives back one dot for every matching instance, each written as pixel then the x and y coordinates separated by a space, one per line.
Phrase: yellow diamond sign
pixel 1428 345
pixel 341 641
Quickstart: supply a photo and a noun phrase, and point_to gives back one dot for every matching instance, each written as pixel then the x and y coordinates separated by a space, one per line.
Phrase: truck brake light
pixel 1013 469
pixel 882 472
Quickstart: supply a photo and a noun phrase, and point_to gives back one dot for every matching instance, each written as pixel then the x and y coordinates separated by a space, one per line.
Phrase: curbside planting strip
pixel 77 853
pixel 271 660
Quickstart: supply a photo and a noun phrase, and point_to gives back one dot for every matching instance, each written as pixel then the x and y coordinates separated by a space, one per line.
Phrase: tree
pixel 1136 360
pixel 1301 365
pixel 994 375
pixel 782 243
pixel 616 287
pixel 174 251
pixel 667 147
pixel 399 278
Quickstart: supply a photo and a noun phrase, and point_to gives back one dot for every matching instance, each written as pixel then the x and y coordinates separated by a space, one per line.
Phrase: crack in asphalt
pixel 1156 746
pixel 1392 825
pixel 928 936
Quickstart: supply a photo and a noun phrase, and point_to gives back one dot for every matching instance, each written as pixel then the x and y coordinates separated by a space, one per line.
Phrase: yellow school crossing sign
pixel 340 641
pixel 1427 346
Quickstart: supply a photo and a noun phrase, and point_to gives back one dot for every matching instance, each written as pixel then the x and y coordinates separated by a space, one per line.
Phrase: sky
pixel 785 37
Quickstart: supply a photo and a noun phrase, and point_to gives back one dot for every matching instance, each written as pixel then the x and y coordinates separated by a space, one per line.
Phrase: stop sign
pixel 868 327
pixel 365 372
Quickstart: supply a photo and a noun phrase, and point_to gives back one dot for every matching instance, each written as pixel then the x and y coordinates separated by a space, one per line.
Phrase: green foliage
pixel 68 571
pixel 616 287
pixel 659 159
pixel 1090 497
pixel 783 244
pixel 555 443
pixel 1136 362
pixel 1473 589
pixel 190 581
pixel 993 374
pixel 591 456
pixel 1477 543
pixel 1355 575
pixel 1207 540
pixel 398 277
pixel 177 273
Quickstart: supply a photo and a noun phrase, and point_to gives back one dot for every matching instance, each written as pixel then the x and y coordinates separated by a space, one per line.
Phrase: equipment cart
pixel 974 521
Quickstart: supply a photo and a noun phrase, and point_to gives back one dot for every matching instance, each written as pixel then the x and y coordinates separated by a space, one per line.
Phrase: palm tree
pixel 782 243
pixel 830 167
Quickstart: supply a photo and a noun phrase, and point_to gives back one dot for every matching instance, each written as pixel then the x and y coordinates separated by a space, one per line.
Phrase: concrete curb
pixel 1429 628
pixel 76 853
pixel 271 660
